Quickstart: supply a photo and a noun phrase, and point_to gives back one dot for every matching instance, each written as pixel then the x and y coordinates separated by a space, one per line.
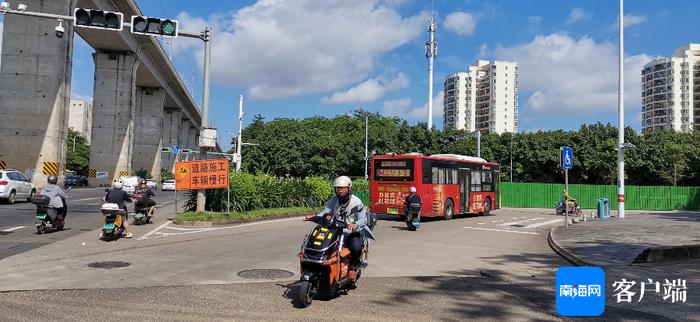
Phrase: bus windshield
pixel 393 170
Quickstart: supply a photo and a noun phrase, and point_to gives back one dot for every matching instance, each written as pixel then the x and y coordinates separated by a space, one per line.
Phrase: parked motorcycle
pixel 325 260
pixel 113 227
pixel 574 208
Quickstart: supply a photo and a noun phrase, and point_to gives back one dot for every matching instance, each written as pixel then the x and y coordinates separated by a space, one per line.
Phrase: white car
pixel 130 183
pixel 151 184
pixel 169 185
pixel 14 185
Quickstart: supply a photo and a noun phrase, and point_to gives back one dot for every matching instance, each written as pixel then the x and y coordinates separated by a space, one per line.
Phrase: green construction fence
pixel 546 195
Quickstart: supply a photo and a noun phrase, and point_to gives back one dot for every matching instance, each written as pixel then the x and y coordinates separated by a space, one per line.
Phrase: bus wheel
pixel 449 209
pixel 487 207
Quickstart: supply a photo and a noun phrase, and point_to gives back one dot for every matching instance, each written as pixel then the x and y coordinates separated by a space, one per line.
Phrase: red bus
pixel 447 183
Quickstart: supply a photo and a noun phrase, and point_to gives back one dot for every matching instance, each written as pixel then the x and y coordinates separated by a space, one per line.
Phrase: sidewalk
pixel 614 241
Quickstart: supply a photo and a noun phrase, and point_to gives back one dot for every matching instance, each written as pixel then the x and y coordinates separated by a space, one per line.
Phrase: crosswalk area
pixel 518 225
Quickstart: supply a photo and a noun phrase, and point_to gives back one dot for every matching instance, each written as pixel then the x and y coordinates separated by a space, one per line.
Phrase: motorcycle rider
pixel 147 193
pixel 412 207
pixel 349 208
pixel 57 195
pixel 120 197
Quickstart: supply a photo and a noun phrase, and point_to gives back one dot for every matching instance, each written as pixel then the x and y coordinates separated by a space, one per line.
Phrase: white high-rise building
pixel 485 98
pixel 671 91
pixel 80 118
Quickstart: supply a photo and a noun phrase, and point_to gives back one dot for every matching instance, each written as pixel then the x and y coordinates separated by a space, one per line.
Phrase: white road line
pixel 544 223
pixel 503 230
pixel 86 199
pixel 148 234
pixel 519 221
pixel 13 229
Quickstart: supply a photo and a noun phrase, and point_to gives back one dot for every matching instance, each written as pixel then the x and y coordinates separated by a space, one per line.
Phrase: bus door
pixel 464 179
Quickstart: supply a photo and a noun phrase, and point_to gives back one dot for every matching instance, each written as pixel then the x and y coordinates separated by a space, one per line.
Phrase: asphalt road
pixel 17 232
pixel 470 268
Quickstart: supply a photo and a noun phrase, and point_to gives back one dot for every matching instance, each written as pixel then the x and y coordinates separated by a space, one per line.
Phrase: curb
pixel 567 255
pixel 669 253
pixel 209 224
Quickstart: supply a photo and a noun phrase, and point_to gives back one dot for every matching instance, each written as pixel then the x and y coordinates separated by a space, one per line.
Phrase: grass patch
pixel 223 217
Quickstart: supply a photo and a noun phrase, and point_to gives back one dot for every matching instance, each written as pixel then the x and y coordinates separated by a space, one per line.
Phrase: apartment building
pixel 485 98
pixel 671 91
pixel 80 117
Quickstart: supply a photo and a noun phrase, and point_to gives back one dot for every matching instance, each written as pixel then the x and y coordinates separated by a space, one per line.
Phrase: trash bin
pixel 603 208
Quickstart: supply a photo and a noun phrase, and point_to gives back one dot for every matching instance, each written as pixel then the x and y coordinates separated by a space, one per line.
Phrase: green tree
pixel 78 156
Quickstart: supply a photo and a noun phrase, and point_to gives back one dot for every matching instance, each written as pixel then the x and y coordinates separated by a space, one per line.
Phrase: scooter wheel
pixel 306 293
pixel 40 229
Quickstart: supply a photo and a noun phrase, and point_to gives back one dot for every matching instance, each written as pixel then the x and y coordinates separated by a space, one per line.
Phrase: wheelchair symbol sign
pixel 567 157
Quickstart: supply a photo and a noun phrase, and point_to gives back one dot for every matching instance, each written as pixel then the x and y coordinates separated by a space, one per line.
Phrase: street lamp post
pixel 621 120
pixel 74 137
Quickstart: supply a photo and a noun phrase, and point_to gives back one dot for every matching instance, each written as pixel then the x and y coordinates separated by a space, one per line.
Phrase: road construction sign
pixel 201 174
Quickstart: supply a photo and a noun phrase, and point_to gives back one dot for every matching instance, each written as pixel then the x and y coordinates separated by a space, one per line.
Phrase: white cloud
pixel 461 23
pixel 286 48
pixel 576 15
pixel 483 51
pixel 630 20
pixel 566 75
pixel 401 108
pixel 368 91
pixel 534 21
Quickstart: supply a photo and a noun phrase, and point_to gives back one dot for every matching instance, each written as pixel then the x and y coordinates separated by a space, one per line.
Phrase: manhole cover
pixel 108 265
pixel 265 274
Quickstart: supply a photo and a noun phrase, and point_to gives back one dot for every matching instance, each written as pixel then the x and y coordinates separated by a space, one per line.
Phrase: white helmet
pixel 342 181
pixel 117 184
pixel 412 189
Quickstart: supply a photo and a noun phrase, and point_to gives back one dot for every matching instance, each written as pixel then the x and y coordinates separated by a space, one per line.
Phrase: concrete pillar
pixel 148 130
pixel 35 80
pixel 192 138
pixel 184 132
pixel 171 131
pixel 112 114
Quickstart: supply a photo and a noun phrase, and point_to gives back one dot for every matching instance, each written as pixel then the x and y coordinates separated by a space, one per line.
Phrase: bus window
pixel 393 170
pixel 476 180
pixel 487 180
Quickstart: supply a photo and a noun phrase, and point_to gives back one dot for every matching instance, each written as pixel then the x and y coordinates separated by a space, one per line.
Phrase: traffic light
pixel 99 19
pixel 153 26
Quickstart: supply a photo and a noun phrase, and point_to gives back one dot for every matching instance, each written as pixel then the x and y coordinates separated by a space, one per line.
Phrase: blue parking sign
pixel 175 148
pixel 567 157
pixel 580 291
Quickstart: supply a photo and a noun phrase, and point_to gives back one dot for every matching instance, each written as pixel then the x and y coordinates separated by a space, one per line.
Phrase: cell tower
pixel 430 53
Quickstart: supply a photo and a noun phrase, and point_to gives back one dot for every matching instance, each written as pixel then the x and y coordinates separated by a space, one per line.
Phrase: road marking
pixel 13 229
pixel 519 221
pixel 503 230
pixel 544 223
pixel 86 199
pixel 194 230
pixel 148 234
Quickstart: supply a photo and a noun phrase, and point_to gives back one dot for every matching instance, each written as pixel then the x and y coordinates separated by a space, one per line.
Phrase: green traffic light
pixel 168 27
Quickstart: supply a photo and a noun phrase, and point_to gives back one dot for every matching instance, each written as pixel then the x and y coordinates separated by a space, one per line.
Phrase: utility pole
pixel 206 37
pixel 239 140
pixel 511 156
pixel 366 134
pixel 621 121
pixel 430 53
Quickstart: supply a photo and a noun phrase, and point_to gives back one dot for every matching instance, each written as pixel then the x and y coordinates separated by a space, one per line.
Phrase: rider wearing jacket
pixel 57 195
pixel 147 194
pixel 349 208
pixel 120 197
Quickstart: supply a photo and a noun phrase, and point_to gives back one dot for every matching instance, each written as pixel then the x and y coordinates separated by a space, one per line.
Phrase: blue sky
pixel 303 58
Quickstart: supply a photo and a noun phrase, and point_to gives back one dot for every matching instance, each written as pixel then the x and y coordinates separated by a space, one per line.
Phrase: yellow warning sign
pixel 92 173
pixel 182 175
pixel 51 168
pixel 2 164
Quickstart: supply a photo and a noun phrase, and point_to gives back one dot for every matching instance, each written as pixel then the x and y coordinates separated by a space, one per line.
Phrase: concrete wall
pixel 112 114
pixel 35 80
pixel 148 130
